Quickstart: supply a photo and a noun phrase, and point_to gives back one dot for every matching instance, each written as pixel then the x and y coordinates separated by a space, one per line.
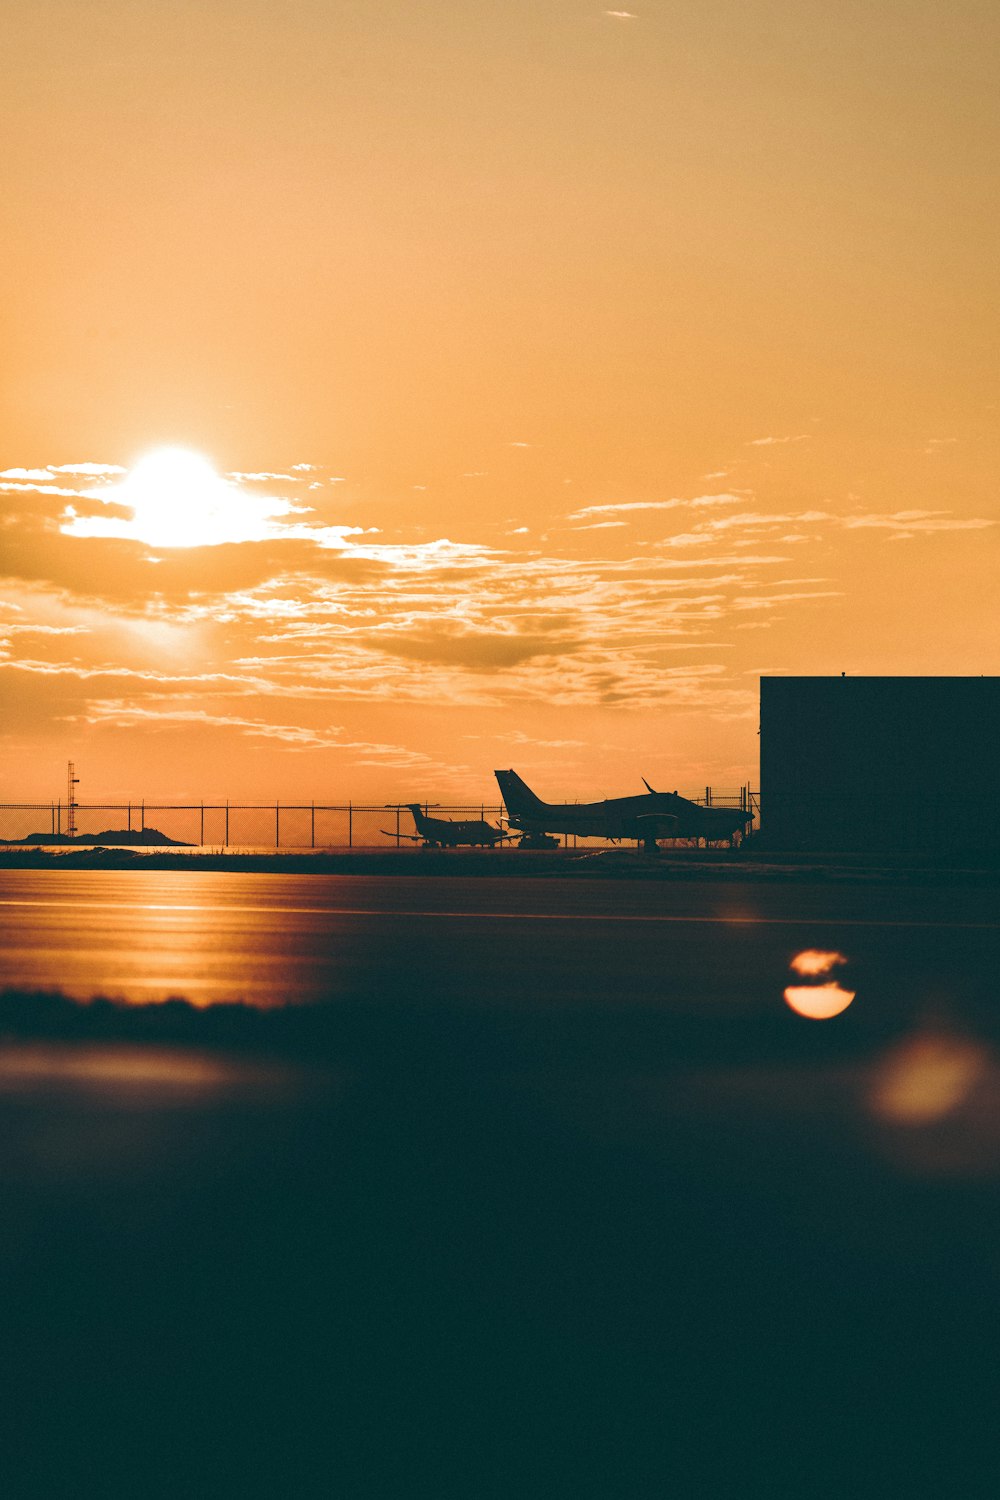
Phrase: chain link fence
pixel 269 825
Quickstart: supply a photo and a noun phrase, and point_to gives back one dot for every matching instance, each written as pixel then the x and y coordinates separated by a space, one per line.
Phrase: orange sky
pixel 594 364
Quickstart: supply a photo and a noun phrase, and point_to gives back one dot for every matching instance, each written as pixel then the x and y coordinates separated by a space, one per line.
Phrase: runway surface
pixel 685 945
pixel 546 1192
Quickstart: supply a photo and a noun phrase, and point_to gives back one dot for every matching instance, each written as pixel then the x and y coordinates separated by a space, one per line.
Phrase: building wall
pixel 884 763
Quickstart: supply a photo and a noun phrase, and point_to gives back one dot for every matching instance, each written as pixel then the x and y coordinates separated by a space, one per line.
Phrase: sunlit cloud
pixel 263 477
pixel 634 506
pixel 770 442
pixel 518 737
pixel 14 486
pixel 313 614
pixel 93 471
pixel 914 521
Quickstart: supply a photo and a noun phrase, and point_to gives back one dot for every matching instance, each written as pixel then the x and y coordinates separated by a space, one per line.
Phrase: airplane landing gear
pixel 538 841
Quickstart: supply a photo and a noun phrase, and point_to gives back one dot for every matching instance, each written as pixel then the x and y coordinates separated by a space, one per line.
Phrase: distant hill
pixel 144 836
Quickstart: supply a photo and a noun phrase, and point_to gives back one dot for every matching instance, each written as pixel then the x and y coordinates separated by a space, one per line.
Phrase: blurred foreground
pixel 407 1246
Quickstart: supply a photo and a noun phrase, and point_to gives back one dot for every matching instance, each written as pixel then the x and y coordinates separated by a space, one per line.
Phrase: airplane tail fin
pixel 418 815
pixel 518 798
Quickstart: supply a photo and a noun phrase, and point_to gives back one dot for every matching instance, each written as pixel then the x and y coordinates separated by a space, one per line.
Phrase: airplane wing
pixel 414 838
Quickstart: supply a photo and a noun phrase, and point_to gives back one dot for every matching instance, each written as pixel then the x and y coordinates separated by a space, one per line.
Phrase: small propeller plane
pixel 655 815
pixel 449 833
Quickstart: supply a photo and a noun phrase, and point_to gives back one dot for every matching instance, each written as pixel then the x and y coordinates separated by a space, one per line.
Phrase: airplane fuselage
pixel 451 833
pixel 646 817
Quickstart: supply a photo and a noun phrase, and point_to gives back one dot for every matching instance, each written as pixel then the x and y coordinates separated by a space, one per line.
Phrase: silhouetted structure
pixel 449 833
pixel 883 763
pixel 646 818
pixel 72 782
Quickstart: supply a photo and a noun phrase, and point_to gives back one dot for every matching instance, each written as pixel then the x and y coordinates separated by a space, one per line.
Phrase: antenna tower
pixel 72 780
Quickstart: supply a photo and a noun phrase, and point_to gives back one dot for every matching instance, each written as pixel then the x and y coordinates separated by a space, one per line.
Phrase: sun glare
pixel 178 500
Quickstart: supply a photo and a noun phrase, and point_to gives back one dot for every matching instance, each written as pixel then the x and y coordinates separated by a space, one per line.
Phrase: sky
pixel 393 392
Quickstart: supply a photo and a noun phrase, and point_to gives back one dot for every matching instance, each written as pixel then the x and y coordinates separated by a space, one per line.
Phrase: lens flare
pixel 927 1078
pixel 818 1002
pixel 813 961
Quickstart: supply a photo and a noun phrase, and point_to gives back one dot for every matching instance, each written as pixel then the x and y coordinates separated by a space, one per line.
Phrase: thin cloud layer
pixel 261 621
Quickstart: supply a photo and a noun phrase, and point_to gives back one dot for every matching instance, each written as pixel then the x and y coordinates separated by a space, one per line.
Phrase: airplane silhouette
pixel 648 817
pixel 449 833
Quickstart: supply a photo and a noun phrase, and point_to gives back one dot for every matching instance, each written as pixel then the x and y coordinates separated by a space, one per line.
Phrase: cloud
pixel 632 506
pixel 262 477
pixel 769 442
pixel 913 522
pixel 13 486
pixel 518 737
pixel 478 651
pixel 902 524
pixel 734 497
pixel 267 634
pixel 93 471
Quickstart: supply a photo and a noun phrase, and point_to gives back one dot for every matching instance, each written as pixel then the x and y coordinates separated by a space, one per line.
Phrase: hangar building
pixel 882 763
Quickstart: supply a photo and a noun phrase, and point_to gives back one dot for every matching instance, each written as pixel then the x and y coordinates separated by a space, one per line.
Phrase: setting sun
pixel 178 500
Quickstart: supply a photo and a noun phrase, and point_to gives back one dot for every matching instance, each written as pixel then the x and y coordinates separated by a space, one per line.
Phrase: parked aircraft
pixel 648 817
pixel 448 833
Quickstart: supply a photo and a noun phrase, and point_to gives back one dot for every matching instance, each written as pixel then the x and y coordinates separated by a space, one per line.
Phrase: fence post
pixel 350 825
pixel 59 818
pixel 227 824
pixel 143 814
pixel 277 827
pixel 201 839
pixel 312 825
pixel 397 827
